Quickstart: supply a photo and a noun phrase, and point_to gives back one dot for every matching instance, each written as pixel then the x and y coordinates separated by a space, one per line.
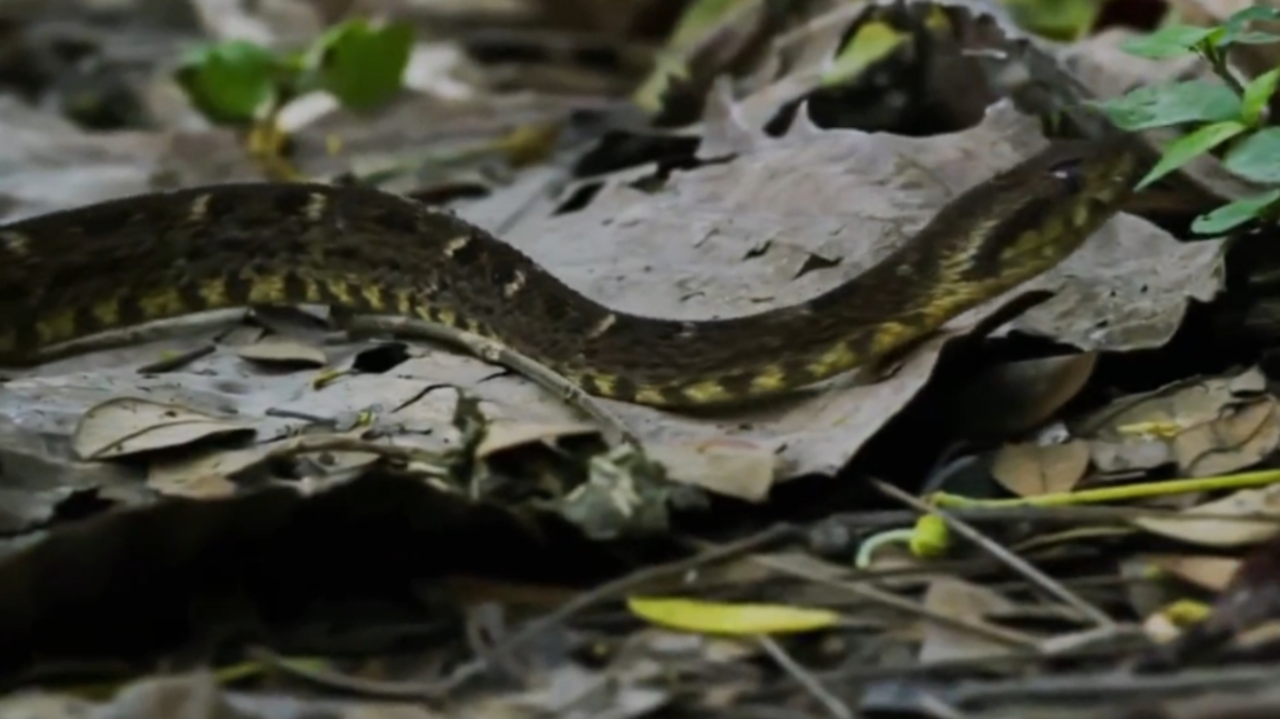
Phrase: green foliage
pixel 230 81
pixel 1227 117
pixel 237 82
pixel 1173 104
pixel 361 64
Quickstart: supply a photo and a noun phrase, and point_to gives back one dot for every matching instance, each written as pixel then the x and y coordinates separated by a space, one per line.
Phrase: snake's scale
pixel 70 274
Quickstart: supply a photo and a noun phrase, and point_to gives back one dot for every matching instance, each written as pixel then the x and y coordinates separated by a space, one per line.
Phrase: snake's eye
pixel 1070 173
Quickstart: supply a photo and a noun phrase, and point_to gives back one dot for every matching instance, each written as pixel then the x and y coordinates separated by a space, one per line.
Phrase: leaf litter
pixel 272 473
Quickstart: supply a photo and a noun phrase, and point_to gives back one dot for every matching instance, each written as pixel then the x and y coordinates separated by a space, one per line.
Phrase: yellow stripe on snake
pixel 118 264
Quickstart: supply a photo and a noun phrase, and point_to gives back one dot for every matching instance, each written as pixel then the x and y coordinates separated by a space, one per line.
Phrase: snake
pixel 119 263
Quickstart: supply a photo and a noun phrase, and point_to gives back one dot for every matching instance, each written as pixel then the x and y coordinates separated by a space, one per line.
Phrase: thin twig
pixel 359 685
pixel 829 701
pixel 1115 685
pixel 888 599
pixel 1014 562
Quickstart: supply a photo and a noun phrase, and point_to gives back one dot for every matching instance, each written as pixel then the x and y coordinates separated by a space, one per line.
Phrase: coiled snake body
pixel 71 274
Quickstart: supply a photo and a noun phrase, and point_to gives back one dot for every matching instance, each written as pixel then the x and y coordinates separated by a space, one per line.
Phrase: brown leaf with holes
pixel 1142 431
pixel 1243 437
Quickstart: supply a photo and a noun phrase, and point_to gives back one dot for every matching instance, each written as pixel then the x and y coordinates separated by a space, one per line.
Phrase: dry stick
pixel 1114 685
pixel 977 626
pixel 359 685
pixel 830 702
pixel 1033 575
pixel 615 430
pixel 1031 513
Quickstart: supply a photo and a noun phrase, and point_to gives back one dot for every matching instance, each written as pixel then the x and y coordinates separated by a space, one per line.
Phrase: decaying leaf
pixel 1252 516
pixel 506 434
pixel 127 426
pixel 735 468
pixel 1028 470
pixel 1204 426
pixel 1207 571
pixel 956 597
pixel 1241 438
pixel 284 352
pixel 199 473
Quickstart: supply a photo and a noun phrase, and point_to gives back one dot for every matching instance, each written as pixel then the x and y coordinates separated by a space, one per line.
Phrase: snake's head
pixel 1103 171
pixel 1062 194
pixel 1033 215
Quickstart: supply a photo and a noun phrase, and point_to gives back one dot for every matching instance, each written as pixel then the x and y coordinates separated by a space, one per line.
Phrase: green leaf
pixel 1254 37
pixel 1171 104
pixel 362 65
pixel 230 82
pixel 1256 12
pixel 1189 146
pixel 1256 96
pixel 873 42
pixel 1061 20
pixel 1229 217
pixel 1235 30
pixel 1167 42
pixel 1255 157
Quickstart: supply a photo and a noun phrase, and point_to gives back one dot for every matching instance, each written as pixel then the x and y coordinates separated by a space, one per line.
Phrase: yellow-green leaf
pixel 1188 147
pixel 1257 94
pixel 692 615
pixel 873 42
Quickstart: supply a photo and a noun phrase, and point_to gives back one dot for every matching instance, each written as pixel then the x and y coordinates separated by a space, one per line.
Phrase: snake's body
pixel 108 266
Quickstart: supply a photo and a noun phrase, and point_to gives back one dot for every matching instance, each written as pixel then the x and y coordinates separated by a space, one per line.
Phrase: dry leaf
pixel 1229 532
pixel 199 486
pixel 127 426
pixel 1141 431
pixel 284 352
pixel 1029 470
pixel 734 468
pixel 172 475
pixel 958 598
pixel 1242 438
pixel 503 435
pixel 1207 571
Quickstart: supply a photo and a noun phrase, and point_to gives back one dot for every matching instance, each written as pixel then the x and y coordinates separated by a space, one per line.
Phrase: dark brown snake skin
pixel 68 275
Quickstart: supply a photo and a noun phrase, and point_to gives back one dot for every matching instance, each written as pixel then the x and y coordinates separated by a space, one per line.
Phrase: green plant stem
pixel 1217 59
